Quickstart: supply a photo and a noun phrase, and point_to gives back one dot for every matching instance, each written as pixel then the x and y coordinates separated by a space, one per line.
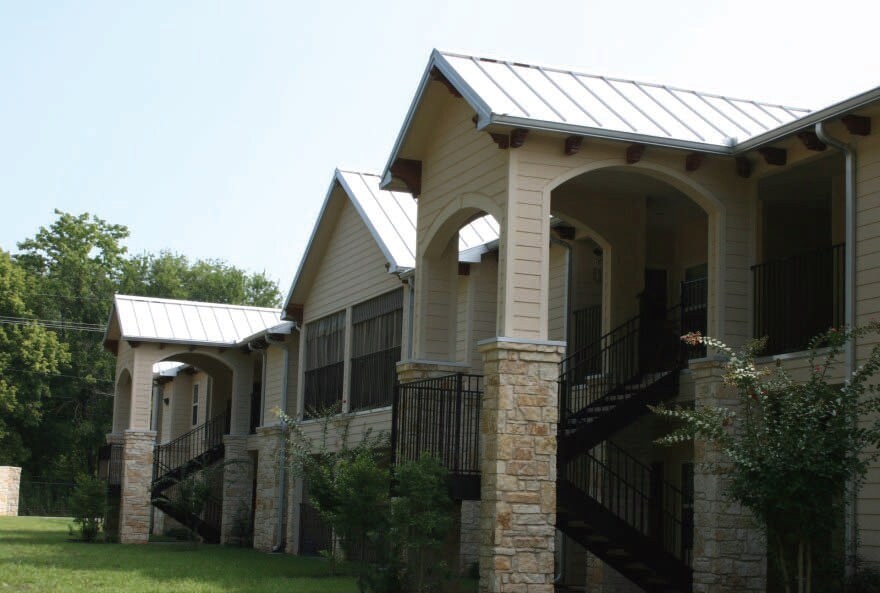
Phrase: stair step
pixel 618 553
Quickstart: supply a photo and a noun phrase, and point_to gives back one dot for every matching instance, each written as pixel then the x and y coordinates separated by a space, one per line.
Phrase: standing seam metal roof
pixel 155 319
pixel 567 97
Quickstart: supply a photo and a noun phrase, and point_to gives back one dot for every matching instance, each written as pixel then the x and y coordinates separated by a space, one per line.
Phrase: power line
pixel 53 324
pixel 46 374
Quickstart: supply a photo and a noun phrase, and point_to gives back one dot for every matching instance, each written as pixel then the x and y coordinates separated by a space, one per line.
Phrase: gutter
pixel 849 315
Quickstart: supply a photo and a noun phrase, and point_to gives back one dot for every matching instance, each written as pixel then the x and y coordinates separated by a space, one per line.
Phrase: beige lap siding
pixel 867 309
pixel 352 269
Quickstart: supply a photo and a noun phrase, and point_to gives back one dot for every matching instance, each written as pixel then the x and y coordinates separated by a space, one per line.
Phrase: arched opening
pixel 458 285
pixel 122 403
pixel 652 242
pixel 192 389
pixel 643 264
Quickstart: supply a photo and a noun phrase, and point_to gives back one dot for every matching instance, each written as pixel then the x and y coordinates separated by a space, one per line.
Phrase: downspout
pixel 282 456
pixel 849 313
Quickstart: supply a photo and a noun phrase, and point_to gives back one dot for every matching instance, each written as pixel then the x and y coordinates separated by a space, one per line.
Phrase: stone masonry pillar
pixel 137 474
pixel 730 553
pixel 10 482
pixel 268 470
pixel 518 461
pixel 237 489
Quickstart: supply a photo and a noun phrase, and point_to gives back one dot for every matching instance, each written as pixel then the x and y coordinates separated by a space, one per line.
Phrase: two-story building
pixel 622 215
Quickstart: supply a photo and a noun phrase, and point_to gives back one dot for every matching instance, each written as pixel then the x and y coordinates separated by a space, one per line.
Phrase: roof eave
pixel 809 120
pixel 589 132
pixel 468 94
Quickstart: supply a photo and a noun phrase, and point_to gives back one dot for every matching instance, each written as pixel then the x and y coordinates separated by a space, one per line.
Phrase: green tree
pixel 29 356
pixel 74 265
pixel 793 448
pixel 171 275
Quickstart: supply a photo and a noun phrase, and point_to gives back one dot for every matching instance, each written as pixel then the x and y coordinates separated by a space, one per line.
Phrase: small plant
pixel 88 504
pixel 242 526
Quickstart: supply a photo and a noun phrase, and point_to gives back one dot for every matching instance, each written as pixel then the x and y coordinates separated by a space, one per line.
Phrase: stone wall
pixel 469 538
pixel 10 480
pixel 729 549
pixel 271 440
pixel 518 453
pixel 137 473
pixel 237 490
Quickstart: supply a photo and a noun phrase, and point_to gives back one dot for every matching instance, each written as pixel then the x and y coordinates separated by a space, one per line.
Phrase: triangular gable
pixel 388 216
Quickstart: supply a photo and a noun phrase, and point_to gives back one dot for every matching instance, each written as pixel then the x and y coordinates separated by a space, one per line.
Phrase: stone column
pixel 730 553
pixel 137 475
pixel 237 490
pixel 518 453
pixel 10 482
pixel 268 470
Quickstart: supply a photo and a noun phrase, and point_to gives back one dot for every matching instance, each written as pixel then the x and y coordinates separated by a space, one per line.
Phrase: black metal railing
pixel 798 297
pixel 627 358
pixel 315 535
pixel 44 498
pixel 322 389
pixel 439 416
pixel 372 379
pixel 176 454
pixel 636 494
pixel 586 328
pixel 694 299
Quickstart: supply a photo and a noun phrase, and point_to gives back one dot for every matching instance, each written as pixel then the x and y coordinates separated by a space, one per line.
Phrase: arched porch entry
pixel 656 229
pixel 656 236
pixel 457 280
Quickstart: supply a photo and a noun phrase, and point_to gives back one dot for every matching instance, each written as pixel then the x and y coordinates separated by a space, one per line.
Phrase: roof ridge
pixel 132 297
pixel 578 72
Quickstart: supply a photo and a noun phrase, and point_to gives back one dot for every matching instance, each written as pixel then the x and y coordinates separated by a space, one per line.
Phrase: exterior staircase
pixel 617 507
pixel 176 460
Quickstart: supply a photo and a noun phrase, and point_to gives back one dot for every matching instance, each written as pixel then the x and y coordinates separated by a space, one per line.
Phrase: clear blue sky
pixel 212 128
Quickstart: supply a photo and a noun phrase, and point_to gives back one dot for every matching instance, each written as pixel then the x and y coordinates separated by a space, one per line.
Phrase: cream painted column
pixel 242 386
pixel 524 284
pixel 137 474
pixel 730 552
pixel 237 489
pixel 518 462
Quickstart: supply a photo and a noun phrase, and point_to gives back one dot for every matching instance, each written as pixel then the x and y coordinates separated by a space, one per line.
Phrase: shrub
pixel 88 504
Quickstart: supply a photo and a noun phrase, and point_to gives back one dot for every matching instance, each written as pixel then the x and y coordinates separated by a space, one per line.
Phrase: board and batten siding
pixel 352 269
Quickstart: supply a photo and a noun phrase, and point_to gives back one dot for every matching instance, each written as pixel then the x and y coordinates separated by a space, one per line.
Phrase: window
pixel 377 326
pixel 324 362
pixel 195 405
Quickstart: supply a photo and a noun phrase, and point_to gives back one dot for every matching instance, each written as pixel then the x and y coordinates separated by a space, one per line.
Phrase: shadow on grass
pixel 41 559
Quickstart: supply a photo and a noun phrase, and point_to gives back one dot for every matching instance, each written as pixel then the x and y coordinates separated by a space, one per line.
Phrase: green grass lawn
pixel 36 556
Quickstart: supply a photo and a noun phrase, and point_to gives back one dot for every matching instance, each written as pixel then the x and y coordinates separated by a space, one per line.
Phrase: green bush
pixel 88 504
